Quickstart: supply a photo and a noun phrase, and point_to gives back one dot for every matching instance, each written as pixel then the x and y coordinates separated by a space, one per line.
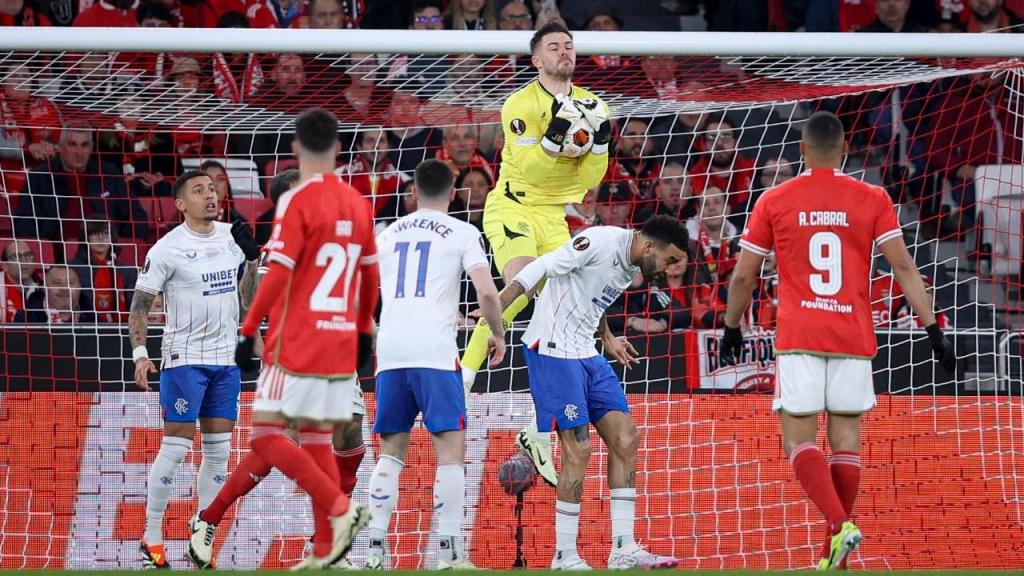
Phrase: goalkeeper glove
pixel 244 354
pixel 242 234
pixel 365 350
pixel 563 114
pixel 731 346
pixel 942 348
pixel 596 116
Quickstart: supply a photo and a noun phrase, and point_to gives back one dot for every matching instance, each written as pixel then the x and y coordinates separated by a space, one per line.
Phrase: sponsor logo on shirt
pixel 608 296
pixel 219 282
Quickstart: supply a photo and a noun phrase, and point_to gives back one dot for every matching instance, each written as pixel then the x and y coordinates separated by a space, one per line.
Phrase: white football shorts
pixel 307 396
pixel 808 384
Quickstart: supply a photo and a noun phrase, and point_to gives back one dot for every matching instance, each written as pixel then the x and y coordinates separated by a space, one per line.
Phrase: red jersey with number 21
pixel 823 226
pixel 323 233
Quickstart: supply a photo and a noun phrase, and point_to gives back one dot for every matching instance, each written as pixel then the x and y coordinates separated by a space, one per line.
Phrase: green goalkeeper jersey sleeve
pixel 528 174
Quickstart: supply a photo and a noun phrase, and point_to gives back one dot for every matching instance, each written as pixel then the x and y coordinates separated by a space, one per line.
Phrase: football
pixel 579 139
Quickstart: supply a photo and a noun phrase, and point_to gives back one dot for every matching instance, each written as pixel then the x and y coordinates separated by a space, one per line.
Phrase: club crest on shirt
pixel 517 126
pixel 571 412
pixel 581 243
pixel 233 248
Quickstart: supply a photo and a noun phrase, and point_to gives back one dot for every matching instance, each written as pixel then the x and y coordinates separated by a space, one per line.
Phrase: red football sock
pixel 813 473
pixel 348 466
pixel 276 449
pixel 317 443
pixel 242 480
pixel 846 478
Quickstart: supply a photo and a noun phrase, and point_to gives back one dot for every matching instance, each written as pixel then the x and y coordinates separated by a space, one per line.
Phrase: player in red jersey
pixel 823 227
pixel 320 292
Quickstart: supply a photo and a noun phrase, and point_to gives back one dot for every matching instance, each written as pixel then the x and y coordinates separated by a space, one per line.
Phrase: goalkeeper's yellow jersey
pixel 527 172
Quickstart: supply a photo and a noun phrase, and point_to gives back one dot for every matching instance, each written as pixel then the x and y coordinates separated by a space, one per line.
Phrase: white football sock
pixel 213 471
pixel 567 526
pixel 172 453
pixel 543 438
pixel 449 502
pixel 623 517
pixel 383 495
pixel 468 378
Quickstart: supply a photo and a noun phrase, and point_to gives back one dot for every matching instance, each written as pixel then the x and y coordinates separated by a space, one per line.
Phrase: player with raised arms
pixel 320 291
pixel 196 266
pixel 544 168
pixel 824 227
pixel 573 386
pixel 423 258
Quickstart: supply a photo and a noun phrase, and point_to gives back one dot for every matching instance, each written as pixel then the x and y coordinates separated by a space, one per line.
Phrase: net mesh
pixel 943 456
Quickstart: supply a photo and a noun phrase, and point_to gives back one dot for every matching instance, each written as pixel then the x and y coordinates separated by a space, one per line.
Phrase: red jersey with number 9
pixel 823 226
pixel 323 233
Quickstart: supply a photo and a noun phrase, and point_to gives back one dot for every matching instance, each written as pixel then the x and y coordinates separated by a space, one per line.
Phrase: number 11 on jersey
pixel 421 269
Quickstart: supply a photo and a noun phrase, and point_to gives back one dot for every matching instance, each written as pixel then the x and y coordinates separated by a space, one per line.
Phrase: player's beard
pixel 649 267
pixel 562 75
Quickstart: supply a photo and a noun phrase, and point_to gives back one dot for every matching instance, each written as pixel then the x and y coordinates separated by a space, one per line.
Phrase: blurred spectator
pixel 72 187
pixel 634 311
pixel 515 15
pixel 29 124
pixel 764 306
pixel 237 77
pixel 184 73
pixel 361 92
pixel 325 15
pixel 146 156
pixel 634 151
pixel 109 281
pixel 286 91
pixel 673 195
pixel 104 14
pixel 411 142
pixel 470 15
pixel 603 19
pixel 372 173
pixel 614 203
pixel 427 71
pixel 721 166
pixel 426 15
pixel 891 16
pixel 991 16
pixel 547 12
pixel 772 173
pixel 459 149
pixel 889 307
pixel 18 279
pixel 610 71
pixel 157 315
pixel 679 288
pixel 219 174
pixel 274 13
pixel 717 243
pixel 472 186
pixel 660 77
pixel 61 302
pixel 678 133
pixel 22 13
pixel 151 14
pixel 281 183
pixel 948 22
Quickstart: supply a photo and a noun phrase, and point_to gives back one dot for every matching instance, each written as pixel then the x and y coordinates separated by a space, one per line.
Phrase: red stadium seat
pixel 251 208
pixel 273 169
pixel 162 214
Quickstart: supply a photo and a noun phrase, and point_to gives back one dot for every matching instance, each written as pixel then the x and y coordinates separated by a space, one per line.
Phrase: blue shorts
pixel 200 391
pixel 405 392
pixel 570 392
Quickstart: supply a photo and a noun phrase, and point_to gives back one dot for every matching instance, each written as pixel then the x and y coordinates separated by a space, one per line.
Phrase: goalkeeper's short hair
pixel 434 179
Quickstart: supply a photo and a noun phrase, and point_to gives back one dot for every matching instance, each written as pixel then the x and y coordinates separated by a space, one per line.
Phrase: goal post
pixel 704 123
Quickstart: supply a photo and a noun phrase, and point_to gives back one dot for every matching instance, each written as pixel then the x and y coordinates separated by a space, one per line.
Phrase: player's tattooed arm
pixel 138 317
pixel 247 285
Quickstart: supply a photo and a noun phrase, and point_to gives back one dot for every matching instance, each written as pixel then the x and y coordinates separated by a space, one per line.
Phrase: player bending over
pixel 320 291
pixel 573 386
pixel 423 257
pixel 347 440
pixel 542 171
pixel 196 267
pixel 823 226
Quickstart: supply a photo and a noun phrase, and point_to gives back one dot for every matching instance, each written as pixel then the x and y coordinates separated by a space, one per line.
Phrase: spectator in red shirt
pixel 722 167
pixel 991 16
pixel 28 123
pixel 634 151
pixel 372 173
pixel 274 13
pixel 459 149
pixel 104 14
pixel 21 13
pixel 717 242
pixel 104 278
pixel 236 77
pixel 18 279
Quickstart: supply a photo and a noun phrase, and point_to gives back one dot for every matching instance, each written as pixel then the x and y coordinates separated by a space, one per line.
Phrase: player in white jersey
pixel 196 267
pixel 423 258
pixel 573 386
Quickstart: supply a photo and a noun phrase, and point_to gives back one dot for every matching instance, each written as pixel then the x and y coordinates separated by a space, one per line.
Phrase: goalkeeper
pixel 542 171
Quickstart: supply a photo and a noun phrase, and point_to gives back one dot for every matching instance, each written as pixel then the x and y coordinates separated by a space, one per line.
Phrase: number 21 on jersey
pixel 337 260
pixel 423 248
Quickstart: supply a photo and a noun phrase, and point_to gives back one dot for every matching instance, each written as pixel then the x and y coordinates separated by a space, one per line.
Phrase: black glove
pixel 563 113
pixel 942 348
pixel 731 346
pixel 242 234
pixel 365 350
pixel 245 354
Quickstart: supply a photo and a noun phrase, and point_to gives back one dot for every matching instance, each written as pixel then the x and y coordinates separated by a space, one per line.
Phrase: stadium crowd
pixel 85 195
